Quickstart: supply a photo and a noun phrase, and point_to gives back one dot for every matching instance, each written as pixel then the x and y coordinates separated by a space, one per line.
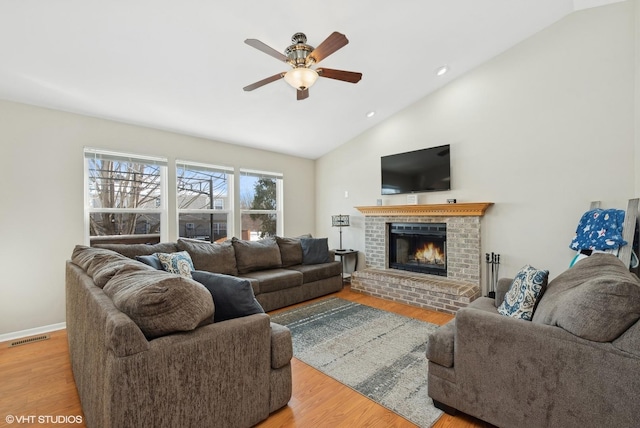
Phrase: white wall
pixel 540 130
pixel 41 176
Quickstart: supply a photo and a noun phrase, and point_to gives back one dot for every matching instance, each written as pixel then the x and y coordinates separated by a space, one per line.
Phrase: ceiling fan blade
pixel 266 49
pixel 264 82
pixel 345 76
pixel 303 94
pixel 331 44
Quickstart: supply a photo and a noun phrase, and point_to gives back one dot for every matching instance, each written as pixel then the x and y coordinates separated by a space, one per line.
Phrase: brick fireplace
pixel 460 283
pixel 418 247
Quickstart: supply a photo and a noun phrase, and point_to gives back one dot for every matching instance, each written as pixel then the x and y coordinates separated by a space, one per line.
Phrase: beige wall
pixel 41 176
pixel 540 130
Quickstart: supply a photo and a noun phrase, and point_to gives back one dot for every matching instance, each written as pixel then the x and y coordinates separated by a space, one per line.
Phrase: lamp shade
pixel 301 77
pixel 340 220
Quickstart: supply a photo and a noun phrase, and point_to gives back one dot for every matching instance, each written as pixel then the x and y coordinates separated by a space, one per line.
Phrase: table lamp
pixel 340 221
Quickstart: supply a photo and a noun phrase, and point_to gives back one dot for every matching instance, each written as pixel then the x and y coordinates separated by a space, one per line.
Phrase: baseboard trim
pixel 32 332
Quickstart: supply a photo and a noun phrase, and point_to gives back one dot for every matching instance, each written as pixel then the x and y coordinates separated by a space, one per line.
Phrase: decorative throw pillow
pixel 233 297
pixel 179 263
pixel 315 251
pixel 151 260
pixel 525 290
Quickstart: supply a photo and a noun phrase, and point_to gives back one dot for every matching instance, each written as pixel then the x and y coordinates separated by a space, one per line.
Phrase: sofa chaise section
pixel 232 373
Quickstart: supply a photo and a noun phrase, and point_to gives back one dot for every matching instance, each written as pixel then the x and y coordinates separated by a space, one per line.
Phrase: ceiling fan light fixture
pixel 442 70
pixel 301 77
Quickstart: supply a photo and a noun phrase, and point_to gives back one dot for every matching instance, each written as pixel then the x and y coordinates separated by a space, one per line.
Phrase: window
pixel 260 204
pixel 205 201
pixel 124 197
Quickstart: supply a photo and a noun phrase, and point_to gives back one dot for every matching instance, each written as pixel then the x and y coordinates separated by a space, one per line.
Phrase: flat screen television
pixel 425 170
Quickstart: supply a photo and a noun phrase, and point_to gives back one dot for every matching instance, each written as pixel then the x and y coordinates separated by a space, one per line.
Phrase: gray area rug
pixel 377 353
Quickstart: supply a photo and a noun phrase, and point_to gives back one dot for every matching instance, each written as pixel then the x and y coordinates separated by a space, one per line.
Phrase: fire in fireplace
pixel 418 247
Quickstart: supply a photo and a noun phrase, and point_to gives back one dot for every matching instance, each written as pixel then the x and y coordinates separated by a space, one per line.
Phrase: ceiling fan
pixel 300 56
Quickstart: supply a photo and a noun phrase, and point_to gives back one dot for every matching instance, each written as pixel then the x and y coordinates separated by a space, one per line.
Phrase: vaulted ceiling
pixel 180 65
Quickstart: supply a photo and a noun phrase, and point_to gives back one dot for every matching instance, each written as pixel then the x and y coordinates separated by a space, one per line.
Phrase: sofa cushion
pixel 104 266
pixel 629 341
pixel 233 297
pixel 525 291
pixel 83 256
pixel 212 257
pixel 133 250
pixel 256 255
pixel 159 302
pixel 312 273
pixel 99 263
pixel 179 263
pixel 597 299
pixel 315 251
pixel 290 251
pixel 275 279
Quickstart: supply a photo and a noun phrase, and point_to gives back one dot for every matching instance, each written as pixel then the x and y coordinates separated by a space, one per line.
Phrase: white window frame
pixel 228 210
pixel 95 153
pixel 279 197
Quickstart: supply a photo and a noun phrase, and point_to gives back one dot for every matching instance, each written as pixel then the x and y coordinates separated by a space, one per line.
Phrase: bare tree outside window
pixel 120 194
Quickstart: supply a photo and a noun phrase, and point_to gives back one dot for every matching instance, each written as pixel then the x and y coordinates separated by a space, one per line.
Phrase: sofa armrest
pixel 281 346
pixel 441 343
pixel 215 375
pixel 502 363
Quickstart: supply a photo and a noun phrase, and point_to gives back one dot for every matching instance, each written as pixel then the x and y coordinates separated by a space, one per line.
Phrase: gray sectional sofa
pixel 147 347
pixel 575 364
pixel 281 273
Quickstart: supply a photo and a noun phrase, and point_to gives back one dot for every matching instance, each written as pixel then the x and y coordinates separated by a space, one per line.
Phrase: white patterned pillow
pixel 179 263
pixel 525 290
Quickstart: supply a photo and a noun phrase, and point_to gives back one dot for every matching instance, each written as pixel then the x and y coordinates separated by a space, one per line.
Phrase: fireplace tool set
pixel 493 266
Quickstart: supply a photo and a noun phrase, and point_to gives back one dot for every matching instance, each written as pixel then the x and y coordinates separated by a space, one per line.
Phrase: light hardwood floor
pixel 36 380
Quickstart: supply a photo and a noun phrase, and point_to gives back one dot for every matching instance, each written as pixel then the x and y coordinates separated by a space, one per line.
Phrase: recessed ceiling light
pixel 371 113
pixel 442 70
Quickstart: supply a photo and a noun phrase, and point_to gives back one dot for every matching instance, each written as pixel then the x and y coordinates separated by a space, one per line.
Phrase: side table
pixel 347 258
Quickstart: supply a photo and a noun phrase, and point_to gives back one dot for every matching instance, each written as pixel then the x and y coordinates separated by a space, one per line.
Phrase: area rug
pixel 377 353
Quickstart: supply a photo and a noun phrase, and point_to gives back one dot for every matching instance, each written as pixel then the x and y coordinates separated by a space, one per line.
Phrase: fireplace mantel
pixel 431 210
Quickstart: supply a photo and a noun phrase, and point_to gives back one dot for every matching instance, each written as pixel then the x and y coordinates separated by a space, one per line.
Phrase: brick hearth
pixel 462 284
pixel 426 291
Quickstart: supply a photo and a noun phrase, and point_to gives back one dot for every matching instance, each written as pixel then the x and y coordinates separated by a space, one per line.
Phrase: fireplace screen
pixel 418 247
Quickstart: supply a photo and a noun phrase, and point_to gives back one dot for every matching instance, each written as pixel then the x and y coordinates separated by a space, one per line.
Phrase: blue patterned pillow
pixel 525 290
pixel 599 229
pixel 179 263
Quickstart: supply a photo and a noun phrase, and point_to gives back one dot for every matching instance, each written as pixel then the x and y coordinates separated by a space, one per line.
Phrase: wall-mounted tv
pixel 425 170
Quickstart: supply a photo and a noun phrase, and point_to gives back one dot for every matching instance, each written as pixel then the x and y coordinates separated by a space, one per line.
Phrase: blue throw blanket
pixel 599 230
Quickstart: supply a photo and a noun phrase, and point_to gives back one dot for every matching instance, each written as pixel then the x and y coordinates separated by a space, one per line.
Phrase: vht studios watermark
pixel 42 419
